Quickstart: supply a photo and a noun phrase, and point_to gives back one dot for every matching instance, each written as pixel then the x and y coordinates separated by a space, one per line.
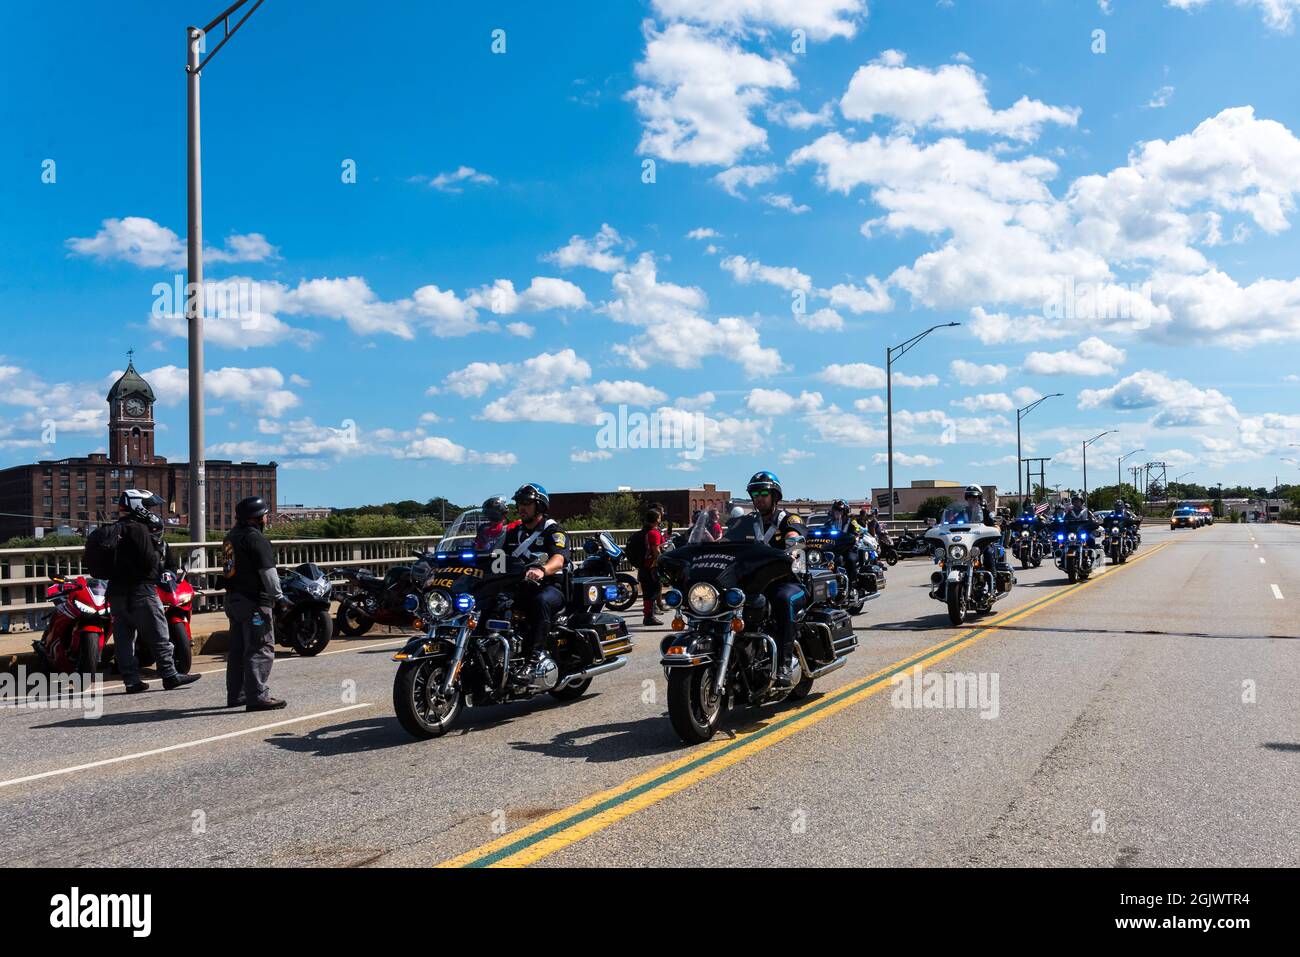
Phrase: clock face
pixel 134 407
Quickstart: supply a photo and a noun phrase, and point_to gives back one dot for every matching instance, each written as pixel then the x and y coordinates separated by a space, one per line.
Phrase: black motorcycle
pixel 911 544
pixel 302 617
pixel 372 600
pixel 1076 547
pixel 471 651
pixel 854 561
pixel 722 650
pixel 1028 541
pixel 1119 537
pixel 603 557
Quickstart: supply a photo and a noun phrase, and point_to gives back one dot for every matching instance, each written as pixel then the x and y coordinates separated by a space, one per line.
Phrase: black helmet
pixel 532 492
pixel 973 491
pixel 842 505
pixel 1076 497
pixel 250 508
pixel 495 508
pixel 139 502
pixel 765 482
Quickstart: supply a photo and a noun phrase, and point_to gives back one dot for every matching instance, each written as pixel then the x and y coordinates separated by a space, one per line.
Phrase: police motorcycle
pixel 854 557
pixel 1076 547
pixel 959 544
pixel 721 650
pixel 470 651
pixel 1119 537
pixel 603 558
pixel 1029 540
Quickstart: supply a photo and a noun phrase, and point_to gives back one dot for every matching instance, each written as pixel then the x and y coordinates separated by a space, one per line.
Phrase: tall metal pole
pixel 1085 474
pixel 889 423
pixel 194 298
pixel 1020 489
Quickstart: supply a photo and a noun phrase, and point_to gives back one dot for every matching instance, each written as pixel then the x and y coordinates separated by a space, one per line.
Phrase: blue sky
pixel 911 163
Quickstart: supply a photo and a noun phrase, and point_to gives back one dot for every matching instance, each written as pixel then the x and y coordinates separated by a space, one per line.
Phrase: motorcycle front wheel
pixel 182 647
pixel 417 699
pixel 308 631
pixel 694 710
pixel 88 654
pixel 957 605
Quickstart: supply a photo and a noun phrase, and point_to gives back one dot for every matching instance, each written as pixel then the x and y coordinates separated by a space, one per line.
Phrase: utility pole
pixel 195 42
pixel 901 350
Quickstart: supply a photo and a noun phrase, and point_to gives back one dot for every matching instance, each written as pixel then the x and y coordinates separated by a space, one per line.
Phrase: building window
pixel 48 501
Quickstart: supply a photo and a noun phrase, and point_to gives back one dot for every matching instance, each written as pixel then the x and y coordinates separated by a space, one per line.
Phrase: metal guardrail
pixel 25 573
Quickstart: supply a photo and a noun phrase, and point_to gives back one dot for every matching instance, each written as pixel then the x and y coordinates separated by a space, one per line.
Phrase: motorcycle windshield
pixel 962 515
pixel 750 566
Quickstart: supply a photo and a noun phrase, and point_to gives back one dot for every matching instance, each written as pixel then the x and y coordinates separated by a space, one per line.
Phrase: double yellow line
pixel 560 829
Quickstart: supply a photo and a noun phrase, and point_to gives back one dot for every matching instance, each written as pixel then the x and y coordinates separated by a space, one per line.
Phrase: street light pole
pixel 195 40
pixel 900 350
pixel 1020 414
pixel 1119 472
pixel 1085 463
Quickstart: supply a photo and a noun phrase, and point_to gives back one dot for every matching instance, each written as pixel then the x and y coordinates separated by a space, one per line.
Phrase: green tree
pixel 933 507
pixel 621 510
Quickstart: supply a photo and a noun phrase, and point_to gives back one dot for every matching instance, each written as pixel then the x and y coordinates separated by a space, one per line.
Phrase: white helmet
pixel 140 503
pixel 737 512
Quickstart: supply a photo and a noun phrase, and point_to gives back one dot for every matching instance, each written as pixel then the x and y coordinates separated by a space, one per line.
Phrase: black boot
pixel 135 687
pixel 179 681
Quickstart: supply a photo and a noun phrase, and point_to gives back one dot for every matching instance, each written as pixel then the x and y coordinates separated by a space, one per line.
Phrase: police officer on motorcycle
pixel 773 525
pixel 541 542
pixel 994 553
pixel 1078 511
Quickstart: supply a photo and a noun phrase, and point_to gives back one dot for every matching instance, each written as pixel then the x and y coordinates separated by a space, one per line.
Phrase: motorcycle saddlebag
pixel 840 625
pixel 822 584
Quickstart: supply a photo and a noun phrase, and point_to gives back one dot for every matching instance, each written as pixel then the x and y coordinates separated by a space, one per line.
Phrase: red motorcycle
pixel 177 597
pixel 79 626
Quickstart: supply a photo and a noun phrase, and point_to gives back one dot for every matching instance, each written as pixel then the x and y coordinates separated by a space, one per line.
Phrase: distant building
pixel 909 499
pixel 301 513
pixel 680 503
pixel 81 492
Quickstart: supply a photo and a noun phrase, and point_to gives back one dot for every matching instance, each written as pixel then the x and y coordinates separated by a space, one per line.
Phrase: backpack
pixel 635 549
pixel 100 555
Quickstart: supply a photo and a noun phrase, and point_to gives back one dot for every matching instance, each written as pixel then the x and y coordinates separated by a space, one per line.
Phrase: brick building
pixel 82 492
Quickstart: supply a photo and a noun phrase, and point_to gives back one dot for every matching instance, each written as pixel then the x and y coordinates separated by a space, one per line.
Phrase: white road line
pixel 1277 592
pixel 1257 546
pixel 179 747
pixel 340 651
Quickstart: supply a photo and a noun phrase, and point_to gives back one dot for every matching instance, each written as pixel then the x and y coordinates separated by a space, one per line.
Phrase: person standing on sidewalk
pixel 646 574
pixel 252 589
pixel 138 558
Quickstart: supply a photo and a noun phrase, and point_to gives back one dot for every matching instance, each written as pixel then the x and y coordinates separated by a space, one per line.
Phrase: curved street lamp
pixel 1020 414
pixel 1085 461
pixel 900 349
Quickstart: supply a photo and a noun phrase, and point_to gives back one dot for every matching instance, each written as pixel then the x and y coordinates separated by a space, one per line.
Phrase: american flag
pixel 1040 509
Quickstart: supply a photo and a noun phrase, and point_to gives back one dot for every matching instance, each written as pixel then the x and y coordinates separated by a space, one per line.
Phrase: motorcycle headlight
pixel 703 598
pixel 184 599
pixel 437 604
pixel 672 598
pixel 1072 537
pixel 84 608
pixel 1024 534
pixel 815 557
pixel 940 553
pixel 957 552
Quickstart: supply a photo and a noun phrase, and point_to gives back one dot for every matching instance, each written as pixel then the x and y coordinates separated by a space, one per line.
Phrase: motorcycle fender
pixel 425 646
pixel 696 651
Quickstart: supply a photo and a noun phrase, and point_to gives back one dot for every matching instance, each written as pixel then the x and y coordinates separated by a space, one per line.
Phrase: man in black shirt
pixel 138 564
pixel 541 542
pixel 252 589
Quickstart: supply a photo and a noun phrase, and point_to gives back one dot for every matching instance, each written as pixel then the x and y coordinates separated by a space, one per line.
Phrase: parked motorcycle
pixel 372 600
pixel 177 597
pixel 964 581
pixel 302 617
pixel 603 557
pixel 471 651
pixel 74 637
pixel 1076 548
pixel 911 545
pixel 1029 542
pixel 853 557
pixel 722 650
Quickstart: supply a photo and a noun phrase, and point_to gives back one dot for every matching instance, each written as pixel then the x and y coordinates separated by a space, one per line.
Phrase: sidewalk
pixel 207 629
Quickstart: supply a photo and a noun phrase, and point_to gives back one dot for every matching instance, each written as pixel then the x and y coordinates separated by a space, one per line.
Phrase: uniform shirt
pixel 754 526
pixel 246 554
pixel 538 544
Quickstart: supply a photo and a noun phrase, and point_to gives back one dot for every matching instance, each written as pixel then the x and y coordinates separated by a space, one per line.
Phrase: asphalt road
pixel 1147 717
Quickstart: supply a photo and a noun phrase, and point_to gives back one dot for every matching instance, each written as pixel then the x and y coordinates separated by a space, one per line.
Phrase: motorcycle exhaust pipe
pixel 835 665
pixel 593 671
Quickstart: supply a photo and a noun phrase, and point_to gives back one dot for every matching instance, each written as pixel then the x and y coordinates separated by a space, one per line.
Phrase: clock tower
pixel 130 419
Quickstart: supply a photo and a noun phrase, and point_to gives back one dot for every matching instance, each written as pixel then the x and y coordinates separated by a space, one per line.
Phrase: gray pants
pixel 138 614
pixel 252 649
